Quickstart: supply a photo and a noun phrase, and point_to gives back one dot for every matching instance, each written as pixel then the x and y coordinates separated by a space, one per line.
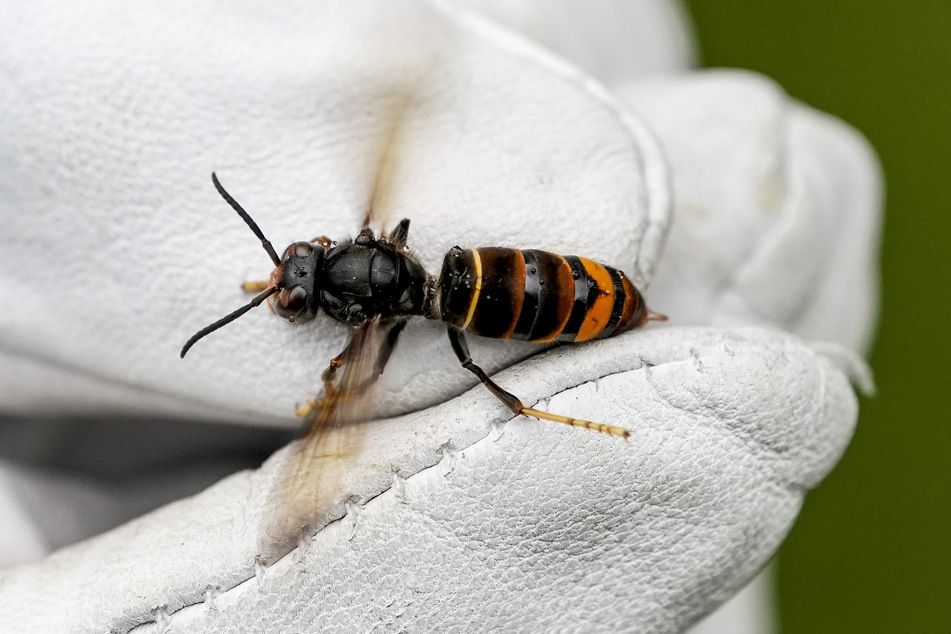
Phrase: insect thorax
pixel 364 281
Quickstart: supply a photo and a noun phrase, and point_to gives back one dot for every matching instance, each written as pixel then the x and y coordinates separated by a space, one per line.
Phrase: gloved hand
pixel 116 248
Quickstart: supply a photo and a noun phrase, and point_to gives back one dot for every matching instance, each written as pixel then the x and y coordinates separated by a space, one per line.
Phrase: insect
pixel 376 284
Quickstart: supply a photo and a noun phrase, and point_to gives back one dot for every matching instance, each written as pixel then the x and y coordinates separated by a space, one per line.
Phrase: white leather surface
pixel 478 528
pixel 481 523
pixel 507 146
pixel 777 208
pixel 613 40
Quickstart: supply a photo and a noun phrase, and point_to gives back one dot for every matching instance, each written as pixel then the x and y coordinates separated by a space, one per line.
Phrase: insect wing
pixel 394 156
pixel 310 484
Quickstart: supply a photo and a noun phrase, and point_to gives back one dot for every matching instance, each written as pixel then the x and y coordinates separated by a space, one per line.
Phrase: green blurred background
pixel 870 551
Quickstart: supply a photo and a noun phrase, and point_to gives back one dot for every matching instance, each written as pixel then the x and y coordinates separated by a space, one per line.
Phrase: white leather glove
pixel 115 248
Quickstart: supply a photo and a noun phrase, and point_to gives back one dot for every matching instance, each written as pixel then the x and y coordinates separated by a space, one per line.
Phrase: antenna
pixel 224 321
pixel 227 320
pixel 244 216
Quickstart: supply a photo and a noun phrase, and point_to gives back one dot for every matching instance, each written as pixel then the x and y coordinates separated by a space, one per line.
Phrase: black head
pixel 292 291
pixel 296 277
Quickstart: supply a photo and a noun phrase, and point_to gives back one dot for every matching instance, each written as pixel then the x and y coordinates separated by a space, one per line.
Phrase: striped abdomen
pixel 536 295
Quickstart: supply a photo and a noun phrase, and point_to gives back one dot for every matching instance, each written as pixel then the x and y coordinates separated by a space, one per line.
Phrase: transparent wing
pixel 394 153
pixel 408 70
pixel 311 482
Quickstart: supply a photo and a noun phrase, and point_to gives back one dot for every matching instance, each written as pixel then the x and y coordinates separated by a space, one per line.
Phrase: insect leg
pixel 385 350
pixel 386 347
pixel 400 233
pixel 383 356
pixel 459 346
pixel 328 375
pixel 255 287
pixel 335 364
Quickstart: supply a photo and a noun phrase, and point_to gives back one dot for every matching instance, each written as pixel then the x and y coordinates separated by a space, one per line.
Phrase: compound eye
pixel 298 249
pixel 290 302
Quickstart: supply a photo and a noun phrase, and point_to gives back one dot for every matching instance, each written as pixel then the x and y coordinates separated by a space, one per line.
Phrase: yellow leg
pixel 304 410
pixel 255 287
pixel 331 399
pixel 577 422
pixel 459 346
pixel 330 392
